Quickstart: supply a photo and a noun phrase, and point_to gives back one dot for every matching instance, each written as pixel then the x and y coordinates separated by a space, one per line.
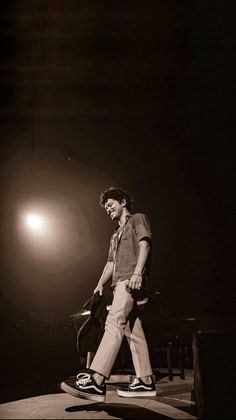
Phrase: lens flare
pixel 34 221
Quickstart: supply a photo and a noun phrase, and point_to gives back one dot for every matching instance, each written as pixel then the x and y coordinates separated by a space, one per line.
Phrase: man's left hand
pixel 135 282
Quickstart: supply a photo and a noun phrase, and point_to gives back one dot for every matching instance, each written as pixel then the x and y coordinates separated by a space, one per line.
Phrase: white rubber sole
pixel 97 398
pixel 79 394
pixel 136 394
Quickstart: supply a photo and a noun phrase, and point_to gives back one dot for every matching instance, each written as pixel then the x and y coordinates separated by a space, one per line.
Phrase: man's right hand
pixel 99 289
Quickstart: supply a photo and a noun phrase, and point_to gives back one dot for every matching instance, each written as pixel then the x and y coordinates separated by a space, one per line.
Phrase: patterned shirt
pixel 124 247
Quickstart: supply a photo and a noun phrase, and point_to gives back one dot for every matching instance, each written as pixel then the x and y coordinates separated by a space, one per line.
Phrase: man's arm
pixel 135 281
pixel 106 275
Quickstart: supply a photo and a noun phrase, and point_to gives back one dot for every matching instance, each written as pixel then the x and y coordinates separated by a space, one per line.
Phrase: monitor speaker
pixel 214 363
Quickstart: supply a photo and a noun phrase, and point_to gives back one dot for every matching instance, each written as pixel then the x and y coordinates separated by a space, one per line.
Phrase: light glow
pixel 52 233
pixel 35 222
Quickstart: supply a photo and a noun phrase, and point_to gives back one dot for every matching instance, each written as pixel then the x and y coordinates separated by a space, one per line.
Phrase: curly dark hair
pixel 118 194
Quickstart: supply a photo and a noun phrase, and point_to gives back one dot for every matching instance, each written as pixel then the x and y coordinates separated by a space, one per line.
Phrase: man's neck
pixel 123 217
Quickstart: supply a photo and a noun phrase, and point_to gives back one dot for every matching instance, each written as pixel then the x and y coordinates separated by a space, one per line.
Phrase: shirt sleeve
pixel 110 253
pixel 142 227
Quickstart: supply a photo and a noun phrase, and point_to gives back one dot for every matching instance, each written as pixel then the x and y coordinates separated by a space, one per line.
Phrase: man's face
pixel 114 209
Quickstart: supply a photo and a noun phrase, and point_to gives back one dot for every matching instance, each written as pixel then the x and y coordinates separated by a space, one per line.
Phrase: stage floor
pixel 47 401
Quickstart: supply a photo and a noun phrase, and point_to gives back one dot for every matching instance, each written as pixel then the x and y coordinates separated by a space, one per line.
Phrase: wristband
pixel 136 274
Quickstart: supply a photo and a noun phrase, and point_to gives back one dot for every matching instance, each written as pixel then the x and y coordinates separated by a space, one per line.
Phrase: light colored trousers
pixel 117 325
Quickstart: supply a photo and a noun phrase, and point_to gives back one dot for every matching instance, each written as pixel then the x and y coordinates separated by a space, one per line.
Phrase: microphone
pixel 150 291
pixel 145 289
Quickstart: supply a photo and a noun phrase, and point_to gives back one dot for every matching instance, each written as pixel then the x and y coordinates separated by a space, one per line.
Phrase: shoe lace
pixel 135 382
pixel 83 381
pixel 83 375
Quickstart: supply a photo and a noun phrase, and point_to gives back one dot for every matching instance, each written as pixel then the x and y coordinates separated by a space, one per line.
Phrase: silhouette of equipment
pixel 171 341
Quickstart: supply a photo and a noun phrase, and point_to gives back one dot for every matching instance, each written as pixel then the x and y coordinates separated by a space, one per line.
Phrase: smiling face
pixel 114 208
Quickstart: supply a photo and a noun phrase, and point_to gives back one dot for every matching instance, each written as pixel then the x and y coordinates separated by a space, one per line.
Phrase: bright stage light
pixel 34 222
pixel 53 234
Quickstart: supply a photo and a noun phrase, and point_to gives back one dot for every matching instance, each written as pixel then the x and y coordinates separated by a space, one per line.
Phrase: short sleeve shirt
pixel 124 247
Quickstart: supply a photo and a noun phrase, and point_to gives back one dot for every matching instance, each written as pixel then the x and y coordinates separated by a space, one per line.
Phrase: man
pixel 128 266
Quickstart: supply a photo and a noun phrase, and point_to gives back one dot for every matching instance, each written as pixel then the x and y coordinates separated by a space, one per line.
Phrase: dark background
pixel 133 94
